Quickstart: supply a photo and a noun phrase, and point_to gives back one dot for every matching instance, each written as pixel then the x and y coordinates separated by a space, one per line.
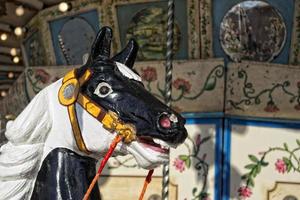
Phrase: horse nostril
pixel 165 122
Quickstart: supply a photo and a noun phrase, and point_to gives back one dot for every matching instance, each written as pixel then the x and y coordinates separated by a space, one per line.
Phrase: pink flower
pixel 244 192
pixel 149 74
pixel 179 164
pixel 271 107
pixel 280 166
pixel 182 84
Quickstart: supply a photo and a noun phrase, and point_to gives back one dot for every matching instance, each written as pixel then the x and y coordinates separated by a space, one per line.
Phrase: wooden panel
pixel 261 160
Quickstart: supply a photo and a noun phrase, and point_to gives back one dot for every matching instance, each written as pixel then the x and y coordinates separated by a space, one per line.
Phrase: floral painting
pixel 195 160
pixel 258 164
pixel 198 162
pixel 193 84
pixel 252 30
pixel 37 78
pixel 263 90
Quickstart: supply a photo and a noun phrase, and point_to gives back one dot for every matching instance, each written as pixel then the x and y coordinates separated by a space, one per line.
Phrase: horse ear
pixel 101 45
pixel 128 55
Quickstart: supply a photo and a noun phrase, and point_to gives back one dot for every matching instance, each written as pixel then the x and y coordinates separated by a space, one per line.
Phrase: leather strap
pixel 69 94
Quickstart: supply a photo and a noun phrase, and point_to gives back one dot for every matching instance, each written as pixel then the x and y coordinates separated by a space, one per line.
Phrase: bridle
pixel 69 94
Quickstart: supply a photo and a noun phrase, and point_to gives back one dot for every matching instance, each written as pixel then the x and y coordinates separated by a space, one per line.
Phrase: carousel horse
pixel 54 144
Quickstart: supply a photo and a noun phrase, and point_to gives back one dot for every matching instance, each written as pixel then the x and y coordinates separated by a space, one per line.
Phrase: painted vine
pixel 286 164
pixel 149 75
pixel 197 159
pixel 253 97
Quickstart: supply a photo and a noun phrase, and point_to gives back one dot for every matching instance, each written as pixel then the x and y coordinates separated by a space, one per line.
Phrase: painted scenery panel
pixel 252 30
pixel 147 23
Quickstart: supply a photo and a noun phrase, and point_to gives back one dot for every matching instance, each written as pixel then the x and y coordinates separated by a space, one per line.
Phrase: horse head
pixel 115 86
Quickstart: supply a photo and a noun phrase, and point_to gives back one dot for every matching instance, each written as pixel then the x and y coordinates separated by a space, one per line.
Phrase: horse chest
pixel 65 175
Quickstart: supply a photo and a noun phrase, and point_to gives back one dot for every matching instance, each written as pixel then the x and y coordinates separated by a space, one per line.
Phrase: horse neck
pixel 61 169
pixel 96 138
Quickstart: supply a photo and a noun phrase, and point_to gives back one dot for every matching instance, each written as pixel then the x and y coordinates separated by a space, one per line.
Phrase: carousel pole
pixel 168 86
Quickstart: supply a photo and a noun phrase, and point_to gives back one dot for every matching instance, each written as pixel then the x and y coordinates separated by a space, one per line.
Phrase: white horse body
pixel 43 126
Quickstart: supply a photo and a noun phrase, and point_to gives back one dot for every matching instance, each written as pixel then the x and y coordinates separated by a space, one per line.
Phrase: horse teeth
pixel 163 144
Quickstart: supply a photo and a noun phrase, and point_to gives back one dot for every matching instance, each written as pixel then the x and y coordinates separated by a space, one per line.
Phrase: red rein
pixel 112 147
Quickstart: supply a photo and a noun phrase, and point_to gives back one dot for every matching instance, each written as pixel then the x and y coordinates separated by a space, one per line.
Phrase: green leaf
pixel 264 164
pixel 298 142
pixel 211 83
pixel 258 169
pixel 285 146
pixel 254 172
pixel 286 160
pixel 289 167
pixel 253 158
pixel 183 157
pixel 251 182
pixel 250 166
pixel 188 162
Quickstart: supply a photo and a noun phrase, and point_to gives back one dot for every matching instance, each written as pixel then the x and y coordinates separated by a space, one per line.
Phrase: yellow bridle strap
pixel 69 94
pixel 109 119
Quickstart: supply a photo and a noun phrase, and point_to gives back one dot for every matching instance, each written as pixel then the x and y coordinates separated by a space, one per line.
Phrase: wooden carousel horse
pixel 54 144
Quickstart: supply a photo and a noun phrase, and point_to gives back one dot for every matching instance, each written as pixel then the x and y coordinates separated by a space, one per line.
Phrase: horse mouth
pixel 155 144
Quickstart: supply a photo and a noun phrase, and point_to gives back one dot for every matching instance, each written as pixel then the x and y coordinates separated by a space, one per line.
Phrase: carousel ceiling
pixel 14 15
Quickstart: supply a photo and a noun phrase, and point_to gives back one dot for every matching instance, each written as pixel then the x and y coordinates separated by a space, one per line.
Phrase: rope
pixel 113 145
pixel 168 87
pixel 146 182
pixel 111 149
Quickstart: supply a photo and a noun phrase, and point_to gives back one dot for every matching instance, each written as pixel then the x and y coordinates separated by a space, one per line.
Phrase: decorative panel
pixel 37 78
pixel 197 160
pixel 195 83
pixel 295 46
pixel 263 90
pixel 34 50
pixel 146 21
pixel 205 21
pixel 16 99
pixel 252 30
pixel 247 38
pixel 67 31
pixel 42 19
pixel 256 169
pixel 198 85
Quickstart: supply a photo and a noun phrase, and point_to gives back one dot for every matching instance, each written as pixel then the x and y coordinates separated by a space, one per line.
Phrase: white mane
pixel 20 158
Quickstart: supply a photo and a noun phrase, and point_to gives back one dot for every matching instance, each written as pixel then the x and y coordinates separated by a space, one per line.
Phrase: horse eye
pixel 103 89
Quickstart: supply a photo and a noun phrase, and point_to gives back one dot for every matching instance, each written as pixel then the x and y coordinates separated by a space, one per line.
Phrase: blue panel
pixel 227 145
pixel 220 8
pixel 218 150
pixel 71 40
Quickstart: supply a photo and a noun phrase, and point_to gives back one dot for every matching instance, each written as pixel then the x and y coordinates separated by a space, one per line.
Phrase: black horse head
pixel 117 87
